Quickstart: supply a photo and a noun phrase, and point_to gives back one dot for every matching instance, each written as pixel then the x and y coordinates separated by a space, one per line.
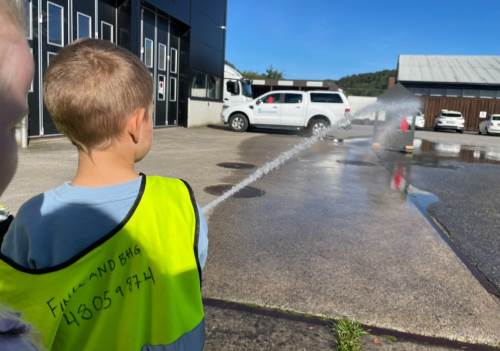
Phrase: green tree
pixel 366 84
pixel 252 75
pixel 272 73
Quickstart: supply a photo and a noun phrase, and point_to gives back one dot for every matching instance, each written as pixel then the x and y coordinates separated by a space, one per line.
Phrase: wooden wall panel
pixel 470 109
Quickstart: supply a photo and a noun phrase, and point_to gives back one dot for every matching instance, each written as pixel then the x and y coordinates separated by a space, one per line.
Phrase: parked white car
pixel 419 121
pixel 284 109
pixel 491 125
pixel 450 120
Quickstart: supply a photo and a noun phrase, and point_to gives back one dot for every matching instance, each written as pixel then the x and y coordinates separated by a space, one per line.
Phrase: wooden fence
pixel 469 107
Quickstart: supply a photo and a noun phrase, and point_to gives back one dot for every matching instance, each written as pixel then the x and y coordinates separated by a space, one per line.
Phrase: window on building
pixel 487 94
pixel 148 52
pixel 437 92
pixel 471 93
pixel 199 86
pixel 28 19
pixel 83 26
pixel 161 87
pixel 293 98
pixel 421 91
pixel 55 24
pixel 454 92
pixel 213 87
pixel 173 60
pixel 162 56
pixel 326 98
pixel 50 56
pixel 107 30
pixel 173 89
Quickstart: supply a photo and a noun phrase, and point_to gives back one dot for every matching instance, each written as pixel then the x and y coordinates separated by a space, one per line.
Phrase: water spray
pixel 399 107
pixel 276 163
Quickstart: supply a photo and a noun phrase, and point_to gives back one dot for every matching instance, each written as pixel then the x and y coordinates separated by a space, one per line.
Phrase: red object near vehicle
pixel 403 125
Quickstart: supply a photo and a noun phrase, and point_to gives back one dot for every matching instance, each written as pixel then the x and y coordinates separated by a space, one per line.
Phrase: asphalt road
pixel 327 236
pixel 463 172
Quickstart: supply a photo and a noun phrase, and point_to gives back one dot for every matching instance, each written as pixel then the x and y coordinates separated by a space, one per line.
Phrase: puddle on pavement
pixel 357 163
pixel 428 154
pixel 236 165
pixel 245 193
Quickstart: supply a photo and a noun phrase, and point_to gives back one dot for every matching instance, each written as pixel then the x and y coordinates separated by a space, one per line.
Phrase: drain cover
pixel 247 192
pixel 356 163
pixel 236 165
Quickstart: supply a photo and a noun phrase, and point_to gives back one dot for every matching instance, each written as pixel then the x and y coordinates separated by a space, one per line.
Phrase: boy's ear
pixel 135 124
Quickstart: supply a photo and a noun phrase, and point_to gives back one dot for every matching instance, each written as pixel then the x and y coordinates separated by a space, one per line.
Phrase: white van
pixel 315 110
pixel 236 89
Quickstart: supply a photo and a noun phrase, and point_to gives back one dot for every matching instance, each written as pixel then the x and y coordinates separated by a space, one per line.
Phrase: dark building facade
pixel 181 42
pixel 468 84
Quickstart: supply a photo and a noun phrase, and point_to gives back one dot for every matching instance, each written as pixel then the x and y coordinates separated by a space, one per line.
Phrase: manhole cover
pixel 236 165
pixel 246 192
pixel 356 163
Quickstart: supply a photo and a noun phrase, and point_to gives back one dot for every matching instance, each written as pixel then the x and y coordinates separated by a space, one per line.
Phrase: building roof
pixel 482 70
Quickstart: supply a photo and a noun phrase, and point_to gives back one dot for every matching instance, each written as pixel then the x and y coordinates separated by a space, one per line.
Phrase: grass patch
pixel 348 335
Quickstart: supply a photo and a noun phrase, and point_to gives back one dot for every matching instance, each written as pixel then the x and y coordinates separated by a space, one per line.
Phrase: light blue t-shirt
pixel 59 224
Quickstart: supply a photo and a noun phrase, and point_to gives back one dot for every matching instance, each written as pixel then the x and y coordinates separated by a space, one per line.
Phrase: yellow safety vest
pixel 139 288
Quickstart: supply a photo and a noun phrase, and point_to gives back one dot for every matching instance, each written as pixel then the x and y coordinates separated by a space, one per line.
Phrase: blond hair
pixel 91 87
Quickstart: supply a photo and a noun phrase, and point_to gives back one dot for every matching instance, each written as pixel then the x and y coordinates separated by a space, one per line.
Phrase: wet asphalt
pixel 330 234
pixel 463 172
pixel 298 242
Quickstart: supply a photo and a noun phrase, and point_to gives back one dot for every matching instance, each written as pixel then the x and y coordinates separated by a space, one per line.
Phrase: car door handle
pixel 275 107
pixel 298 106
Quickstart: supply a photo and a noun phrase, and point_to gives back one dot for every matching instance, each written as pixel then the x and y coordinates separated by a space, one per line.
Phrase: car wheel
pixel 318 126
pixel 238 122
pixel 460 131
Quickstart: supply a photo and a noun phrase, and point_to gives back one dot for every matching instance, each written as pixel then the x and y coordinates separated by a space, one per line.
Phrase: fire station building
pixel 181 42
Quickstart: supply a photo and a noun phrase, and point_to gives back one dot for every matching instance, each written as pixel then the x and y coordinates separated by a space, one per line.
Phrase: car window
pixel 293 98
pixel 495 118
pixel 326 98
pixel 451 115
pixel 271 99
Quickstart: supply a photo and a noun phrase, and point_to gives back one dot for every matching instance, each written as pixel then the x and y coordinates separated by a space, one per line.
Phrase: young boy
pixel 111 260
pixel 16 73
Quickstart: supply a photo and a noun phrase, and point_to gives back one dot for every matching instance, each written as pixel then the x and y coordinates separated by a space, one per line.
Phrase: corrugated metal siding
pixel 470 109
pixel 449 69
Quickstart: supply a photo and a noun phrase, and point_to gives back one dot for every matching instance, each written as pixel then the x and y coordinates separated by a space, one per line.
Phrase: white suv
pixel 450 120
pixel 491 125
pixel 316 110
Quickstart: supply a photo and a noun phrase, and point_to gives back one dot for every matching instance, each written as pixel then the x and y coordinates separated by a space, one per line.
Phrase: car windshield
pixel 247 89
pixel 457 115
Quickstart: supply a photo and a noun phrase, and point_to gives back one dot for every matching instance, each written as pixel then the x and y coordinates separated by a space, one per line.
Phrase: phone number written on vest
pixel 103 301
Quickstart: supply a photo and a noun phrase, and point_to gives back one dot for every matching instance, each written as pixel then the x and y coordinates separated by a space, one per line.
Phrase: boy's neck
pixel 103 168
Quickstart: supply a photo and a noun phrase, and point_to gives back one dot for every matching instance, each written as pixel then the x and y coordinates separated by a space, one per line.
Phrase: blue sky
pixel 319 39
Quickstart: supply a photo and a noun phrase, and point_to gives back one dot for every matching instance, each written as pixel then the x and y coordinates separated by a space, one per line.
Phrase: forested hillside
pixel 366 84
